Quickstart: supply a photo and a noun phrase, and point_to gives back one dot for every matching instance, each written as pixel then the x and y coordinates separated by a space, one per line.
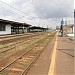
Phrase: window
pixel 2 27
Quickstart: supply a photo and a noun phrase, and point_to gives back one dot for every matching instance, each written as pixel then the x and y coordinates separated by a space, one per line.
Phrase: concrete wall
pixel 7 30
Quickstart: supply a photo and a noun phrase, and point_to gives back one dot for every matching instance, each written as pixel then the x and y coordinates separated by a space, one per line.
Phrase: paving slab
pixel 64 63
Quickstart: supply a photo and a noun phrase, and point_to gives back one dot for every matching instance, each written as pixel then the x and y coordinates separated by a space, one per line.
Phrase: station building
pixel 68 29
pixel 11 27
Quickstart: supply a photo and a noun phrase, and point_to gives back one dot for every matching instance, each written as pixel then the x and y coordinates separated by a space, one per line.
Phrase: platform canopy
pixel 13 23
pixel 36 29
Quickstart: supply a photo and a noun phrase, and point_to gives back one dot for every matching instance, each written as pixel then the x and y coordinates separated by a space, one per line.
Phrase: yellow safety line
pixel 51 69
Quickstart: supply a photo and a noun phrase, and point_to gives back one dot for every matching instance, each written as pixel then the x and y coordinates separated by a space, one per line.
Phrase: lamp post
pixel 61 28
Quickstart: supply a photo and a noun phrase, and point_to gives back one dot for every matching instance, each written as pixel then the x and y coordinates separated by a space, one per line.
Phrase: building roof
pixel 13 23
pixel 35 27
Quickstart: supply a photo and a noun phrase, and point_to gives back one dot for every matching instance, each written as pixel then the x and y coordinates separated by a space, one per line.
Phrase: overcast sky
pixel 37 12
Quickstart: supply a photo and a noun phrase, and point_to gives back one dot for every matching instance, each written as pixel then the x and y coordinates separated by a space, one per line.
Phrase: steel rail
pixel 34 59
pixel 21 43
pixel 21 55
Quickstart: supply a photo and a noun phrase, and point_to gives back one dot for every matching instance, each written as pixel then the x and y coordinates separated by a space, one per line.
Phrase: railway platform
pixel 64 62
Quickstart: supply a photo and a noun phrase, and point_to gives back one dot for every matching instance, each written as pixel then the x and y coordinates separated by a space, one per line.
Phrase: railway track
pixel 15 38
pixel 17 41
pixel 19 46
pixel 26 40
pixel 7 37
pixel 21 64
pixel 15 35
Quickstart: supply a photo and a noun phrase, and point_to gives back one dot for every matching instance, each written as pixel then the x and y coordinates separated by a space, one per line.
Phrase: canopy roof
pixel 35 27
pixel 13 23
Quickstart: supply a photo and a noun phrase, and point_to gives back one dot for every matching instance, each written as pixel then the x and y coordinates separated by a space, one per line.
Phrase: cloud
pixel 55 8
pixel 32 11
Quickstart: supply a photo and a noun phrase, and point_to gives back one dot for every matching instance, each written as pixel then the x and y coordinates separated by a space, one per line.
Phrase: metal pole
pixel 62 28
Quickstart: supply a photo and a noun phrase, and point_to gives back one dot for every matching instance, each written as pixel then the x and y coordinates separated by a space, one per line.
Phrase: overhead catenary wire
pixel 35 3
pixel 9 11
pixel 13 7
pixel 35 6
pixel 15 19
pixel 24 14
pixel 18 9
